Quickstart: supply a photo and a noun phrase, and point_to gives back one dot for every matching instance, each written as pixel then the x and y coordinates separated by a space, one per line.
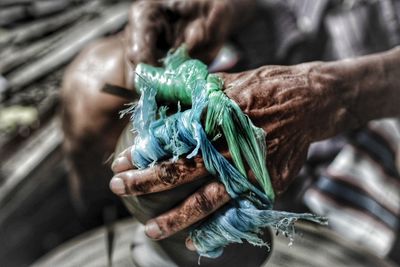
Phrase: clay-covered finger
pixel 159 177
pixel 195 208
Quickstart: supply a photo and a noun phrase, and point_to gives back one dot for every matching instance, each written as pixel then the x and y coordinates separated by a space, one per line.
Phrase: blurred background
pixel 38 38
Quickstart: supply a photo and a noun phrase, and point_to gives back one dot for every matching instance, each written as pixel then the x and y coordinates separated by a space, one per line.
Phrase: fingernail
pixel 120 164
pixel 117 185
pixel 153 230
pixel 189 244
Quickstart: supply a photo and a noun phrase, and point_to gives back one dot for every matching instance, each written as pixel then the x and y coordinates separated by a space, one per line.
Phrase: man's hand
pixel 291 104
pixel 155 26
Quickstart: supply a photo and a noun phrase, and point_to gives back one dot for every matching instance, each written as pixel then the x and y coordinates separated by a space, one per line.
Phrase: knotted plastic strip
pixel 159 137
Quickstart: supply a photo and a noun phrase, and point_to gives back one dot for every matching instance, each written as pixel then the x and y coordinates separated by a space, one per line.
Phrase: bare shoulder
pixel 100 62
pixel 85 108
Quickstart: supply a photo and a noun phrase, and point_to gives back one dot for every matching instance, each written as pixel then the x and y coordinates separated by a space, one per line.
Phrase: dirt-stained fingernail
pixel 117 185
pixel 121 164
pixel 153 230
pixel 189 244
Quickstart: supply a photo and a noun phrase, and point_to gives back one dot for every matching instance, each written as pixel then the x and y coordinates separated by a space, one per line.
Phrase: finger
pixel 123 162
pixel 146 25
pixel 160 177
pixel 196 207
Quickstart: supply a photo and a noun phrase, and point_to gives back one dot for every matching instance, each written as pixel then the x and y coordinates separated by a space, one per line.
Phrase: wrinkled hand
pixel 290 103
pixel 156 26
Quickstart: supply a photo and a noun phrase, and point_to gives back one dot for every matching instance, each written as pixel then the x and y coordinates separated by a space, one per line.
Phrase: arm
pixel 370 86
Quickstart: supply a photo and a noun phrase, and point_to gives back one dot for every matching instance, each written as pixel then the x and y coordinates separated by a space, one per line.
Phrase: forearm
pixel 365 88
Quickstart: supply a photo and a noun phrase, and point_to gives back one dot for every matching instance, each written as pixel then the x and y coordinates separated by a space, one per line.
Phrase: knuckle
pixel 169 173
pixel 136 185
pixel 143 188
pixel 202 203
pixel 213 188
pixel 217 192
pixel 172 224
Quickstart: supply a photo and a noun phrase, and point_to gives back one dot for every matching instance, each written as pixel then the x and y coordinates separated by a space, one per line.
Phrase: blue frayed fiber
pixel 244 221
pixel 160 137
